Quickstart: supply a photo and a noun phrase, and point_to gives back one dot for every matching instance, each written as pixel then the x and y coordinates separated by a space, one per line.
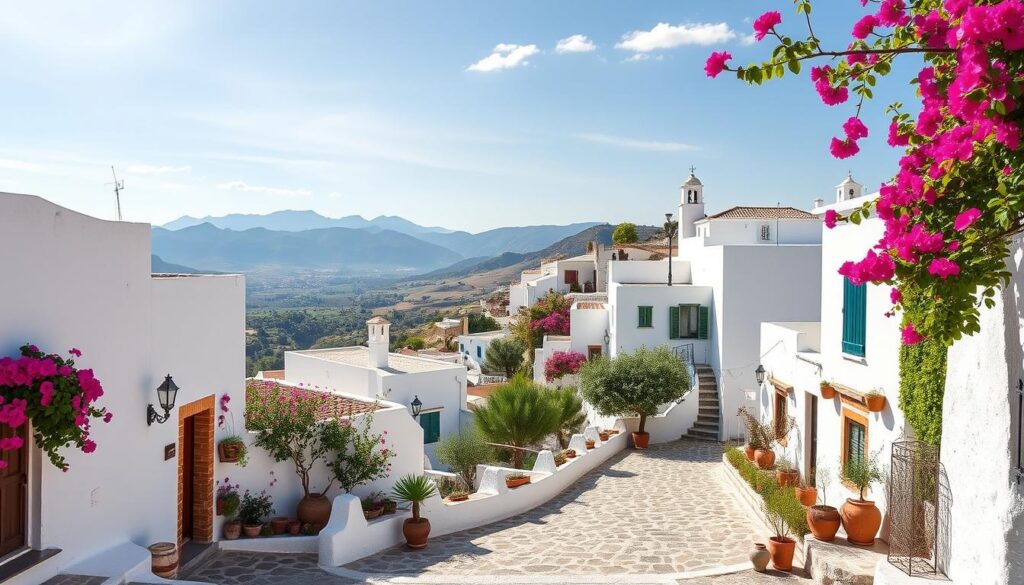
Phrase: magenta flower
pixel 46 392
pixel 843 148
pixel 75 352
pixel 895 295
pixel 966 218
pixel 716 63
pixel 855 129
pixel 765 23
pixel 943 268
pixel 910 335
pixel 88 446
pixel 865 26
pixel 831 217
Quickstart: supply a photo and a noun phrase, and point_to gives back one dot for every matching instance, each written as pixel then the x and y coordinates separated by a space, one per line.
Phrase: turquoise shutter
pixel 702 322
pixel 673 322
pixel 854 317
pixel 431 424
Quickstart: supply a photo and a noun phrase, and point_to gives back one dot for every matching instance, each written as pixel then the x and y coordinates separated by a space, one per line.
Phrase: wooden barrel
pixel 165 559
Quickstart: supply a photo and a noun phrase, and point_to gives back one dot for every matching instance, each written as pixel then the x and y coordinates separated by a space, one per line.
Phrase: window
pixel 855 436
pixel 593 351
pixel 780 413
pixel 645 317
pixel 479 352
pixel 688 322
pixel 462 347
pixel 766 232
pixel 854 318
pixel 431 424
pixel 572 276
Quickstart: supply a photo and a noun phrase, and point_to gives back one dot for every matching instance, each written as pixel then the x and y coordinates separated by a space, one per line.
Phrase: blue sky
pixel 399 108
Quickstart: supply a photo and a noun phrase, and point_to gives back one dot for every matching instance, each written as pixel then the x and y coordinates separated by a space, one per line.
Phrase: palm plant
pixel 414 489
pixel 504 355
pixel 571 415
pixel 517 415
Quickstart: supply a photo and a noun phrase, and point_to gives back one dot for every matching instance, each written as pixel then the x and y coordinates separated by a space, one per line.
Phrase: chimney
pixel 379 341
pixel 465 325
pixel 819 202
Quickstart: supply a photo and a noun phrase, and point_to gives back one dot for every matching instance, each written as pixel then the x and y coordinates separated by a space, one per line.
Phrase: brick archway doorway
pixel 195 471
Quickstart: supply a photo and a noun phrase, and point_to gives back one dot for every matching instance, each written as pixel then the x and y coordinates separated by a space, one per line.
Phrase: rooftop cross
pixel 693 169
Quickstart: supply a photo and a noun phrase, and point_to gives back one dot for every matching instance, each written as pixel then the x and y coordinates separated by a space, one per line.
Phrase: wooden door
pixel 593 351
pixel 812 457
pixel 13 502
pixel 188 449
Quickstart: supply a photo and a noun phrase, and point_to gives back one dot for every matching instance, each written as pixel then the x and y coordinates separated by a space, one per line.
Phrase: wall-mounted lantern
pixel 166 393
pixel 759 374
pixel 417 406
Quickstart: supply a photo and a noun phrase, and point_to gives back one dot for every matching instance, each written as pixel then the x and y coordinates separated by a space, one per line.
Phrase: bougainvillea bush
pixel 563 363
pixel 956 198
pixel 58 399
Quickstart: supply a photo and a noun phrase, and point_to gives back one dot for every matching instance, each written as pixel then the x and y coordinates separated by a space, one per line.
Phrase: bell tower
pixel 691 205
pixel 379 341
pixel 848 189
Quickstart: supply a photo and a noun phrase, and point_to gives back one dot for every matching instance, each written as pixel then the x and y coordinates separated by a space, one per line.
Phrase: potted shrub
pixel 828 392
pixel 787 475
pixel 227 498
pixel 875 400
pixel 591 444
pixel 458 496
pixel 635 384
pixel 294 527
pixel 232 450
pixel 604 436
pixel 806 491
pixel 785 515
pixel 823 520
pixel 514 480
pixel 390 506
pixel 570 453
pixel 253 510
pixel 372 507
pixel 861 518
pixel 415 489
pixel 560 459
pixel 752 429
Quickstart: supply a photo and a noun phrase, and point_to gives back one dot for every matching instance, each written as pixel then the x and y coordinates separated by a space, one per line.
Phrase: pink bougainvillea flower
pixel 895 137
pixel 865 26
pixel 895 295
pixel 75 352
pixel 831 217
pixel 716 63
pixel 765 23
pixel 855 129
pixel 46 393
pixel 893 13
pixel 943 268
pixel 108 417
pixel 843 148
pixel 910 335
pixel 966 218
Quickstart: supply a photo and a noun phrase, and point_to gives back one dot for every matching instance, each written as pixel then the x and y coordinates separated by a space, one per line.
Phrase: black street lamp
pixel 759 374
pixel 166 393
pixel 670 228
pixel 417 406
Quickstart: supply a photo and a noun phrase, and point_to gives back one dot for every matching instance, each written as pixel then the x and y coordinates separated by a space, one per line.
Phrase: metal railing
pixel 685 354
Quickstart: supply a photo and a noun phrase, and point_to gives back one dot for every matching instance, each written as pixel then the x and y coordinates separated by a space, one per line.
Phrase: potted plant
pixel 604 436
pixel 514 480
pixel 253 510
pixel 806 491
pixel 390 506
pixel 458 496
pixel 752 428
pixel 294 527
pixel 823 520
pixel 787 475
pixel 635 384
pixel 560 459
pixel 785 515
pixel 861 518
pixel 591 444
pixel 233 450
pixel 570 453
pixel 227 498
pixel 279 525
pixel 372 507
pixel 875 400
pixel 828 391
pixel 415 489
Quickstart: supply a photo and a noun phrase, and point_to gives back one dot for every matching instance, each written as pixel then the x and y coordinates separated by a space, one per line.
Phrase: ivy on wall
pixel 922 383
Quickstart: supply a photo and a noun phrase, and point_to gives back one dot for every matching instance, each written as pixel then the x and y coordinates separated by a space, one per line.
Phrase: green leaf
pixel 794 66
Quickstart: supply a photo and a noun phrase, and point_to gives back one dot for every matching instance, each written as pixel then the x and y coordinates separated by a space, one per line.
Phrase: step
pixel 704 427
pixel 707 411
pixel 702 435
pixel 707 421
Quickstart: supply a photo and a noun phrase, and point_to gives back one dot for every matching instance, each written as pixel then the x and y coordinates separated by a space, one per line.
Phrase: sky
pixel 468 115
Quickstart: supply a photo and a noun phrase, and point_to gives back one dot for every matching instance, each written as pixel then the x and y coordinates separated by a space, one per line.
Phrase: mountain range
pixel 289 240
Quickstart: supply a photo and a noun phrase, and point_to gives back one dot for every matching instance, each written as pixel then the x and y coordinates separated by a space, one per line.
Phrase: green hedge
pixel 766 485
pixel 922 383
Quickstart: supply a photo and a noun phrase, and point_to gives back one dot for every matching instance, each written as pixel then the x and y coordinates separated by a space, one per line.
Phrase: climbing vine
pixel 922 383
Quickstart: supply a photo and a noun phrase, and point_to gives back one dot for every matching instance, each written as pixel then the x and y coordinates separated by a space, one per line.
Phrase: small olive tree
pixel 634 384
pixel 504 356
pixel 463 451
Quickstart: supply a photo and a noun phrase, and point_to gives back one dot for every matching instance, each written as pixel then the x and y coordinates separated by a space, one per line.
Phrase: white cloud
pixel 747 40
pixel 505 56
pixel 243 186
pixel 575 44
pixel 667 36
pixel 157 170
pixel 634 144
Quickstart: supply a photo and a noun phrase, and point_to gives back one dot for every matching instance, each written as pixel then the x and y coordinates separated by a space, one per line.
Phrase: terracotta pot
pixel 861 519
pixel 760 557
pixel 514 483
pixel 416 532
pixel 807 496
pixel 823 521
pixel 279 524
pixel 604 436
pixel 828 392
pixel 782 550
pixel 787 477
pixel 165 559
pixel 220 507
pixel 875 402
pixel 252 530
pixel 570 454
pixel 764 458
pixel 232 530
pixel 458 498
pixel 294 527
pixel 374 513
pixel 314 509
pixel 230 451
pixel 641 440
pixel 590 444
pixel 748 452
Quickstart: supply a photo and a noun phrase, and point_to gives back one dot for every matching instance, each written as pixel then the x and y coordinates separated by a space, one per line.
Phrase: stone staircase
pixel 706 427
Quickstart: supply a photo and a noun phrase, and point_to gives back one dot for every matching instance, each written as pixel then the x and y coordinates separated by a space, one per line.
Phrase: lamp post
pixel 166 394
pixel 759 375
pixel 670 228
pixel 417 406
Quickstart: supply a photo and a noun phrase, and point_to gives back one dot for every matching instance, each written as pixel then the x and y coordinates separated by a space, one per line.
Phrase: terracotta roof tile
pixel 741 212
pixel 589 305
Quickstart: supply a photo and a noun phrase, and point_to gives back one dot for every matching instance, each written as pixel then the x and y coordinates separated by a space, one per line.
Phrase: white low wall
pixel 349 536
pixel 676 418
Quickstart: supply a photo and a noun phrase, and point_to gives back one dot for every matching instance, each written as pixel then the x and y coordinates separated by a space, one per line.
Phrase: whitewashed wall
pixel 588 327
pixel 626 336
pixel 748 232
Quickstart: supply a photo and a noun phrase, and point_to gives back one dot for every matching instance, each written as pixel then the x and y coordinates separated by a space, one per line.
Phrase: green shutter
pixel 702 323
pixel 673 322
pixel 854 317
pixel 645 317
pixel 431 424
pixel 855 438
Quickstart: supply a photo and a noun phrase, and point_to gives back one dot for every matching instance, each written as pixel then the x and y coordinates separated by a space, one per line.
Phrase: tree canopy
pixel 505 356
pixel 625 233
pixel 634 384
pixel 518 414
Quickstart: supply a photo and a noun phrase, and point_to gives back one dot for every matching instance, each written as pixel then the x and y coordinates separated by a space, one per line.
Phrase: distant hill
pixel 158 266
pixel 354 250
pixel 297 221
pixel 508 239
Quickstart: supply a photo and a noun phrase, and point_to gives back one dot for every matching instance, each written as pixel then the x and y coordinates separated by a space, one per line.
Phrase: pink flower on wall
pixel 563 363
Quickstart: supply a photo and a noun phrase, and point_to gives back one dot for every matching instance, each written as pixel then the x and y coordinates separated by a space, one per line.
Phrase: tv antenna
pixel 118 187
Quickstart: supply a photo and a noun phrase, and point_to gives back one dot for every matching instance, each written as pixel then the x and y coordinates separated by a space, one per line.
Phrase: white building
pixel 473 346
pixel 376 373
pixel 76 281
